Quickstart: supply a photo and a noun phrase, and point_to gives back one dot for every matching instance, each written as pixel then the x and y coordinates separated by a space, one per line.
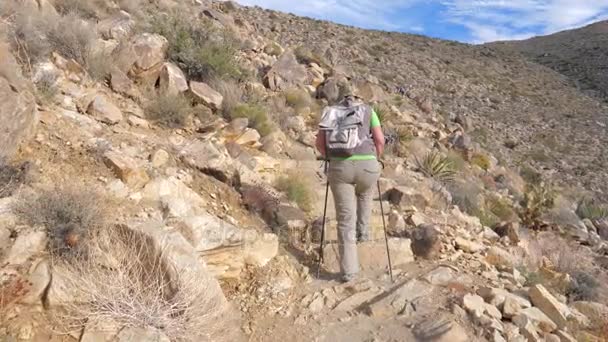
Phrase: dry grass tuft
pixel 298 189
pixel 169 109
pixel 11 177
pixel 128 279
pixel 71 216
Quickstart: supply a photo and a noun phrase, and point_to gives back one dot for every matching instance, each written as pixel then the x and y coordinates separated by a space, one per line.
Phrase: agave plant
pixel 436 166
pixel 589 209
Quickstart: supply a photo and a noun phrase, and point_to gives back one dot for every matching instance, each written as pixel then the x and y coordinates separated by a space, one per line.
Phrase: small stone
pixel 205 94
pixel 468 246
pixel 39 278
pixel 159 158
pixel 104 110
pixel 474 304
pixel 440 276
pixel 317 304
pixel 126 169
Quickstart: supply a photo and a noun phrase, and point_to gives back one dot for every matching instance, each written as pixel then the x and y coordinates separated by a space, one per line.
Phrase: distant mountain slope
pixel 525 113
pixel 580 54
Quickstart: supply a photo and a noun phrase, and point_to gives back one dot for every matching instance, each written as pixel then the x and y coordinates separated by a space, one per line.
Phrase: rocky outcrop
pixel 18 114
pixel 286 73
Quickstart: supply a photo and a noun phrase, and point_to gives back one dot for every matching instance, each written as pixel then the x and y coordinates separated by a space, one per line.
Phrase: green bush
pixel 298 189
pixel 297 98
pixel 481 160
pixel 168 109
pixel 589 209
pixel 199 48
pixel 257 115
pixel 436 166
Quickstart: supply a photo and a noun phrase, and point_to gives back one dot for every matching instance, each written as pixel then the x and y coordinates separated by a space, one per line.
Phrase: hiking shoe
pixel 347 278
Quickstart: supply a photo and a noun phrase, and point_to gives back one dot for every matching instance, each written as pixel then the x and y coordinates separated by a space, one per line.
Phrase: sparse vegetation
pixel 481 160
pixel 231 92
pixel 306 56
pixel 537 200
pixel 436 166
pixel 11 177
pixel 257 115
pixel 142 288
pixel 200 49
pixel 298 189
pixel 83 8
pixel 47 87
pixel 298 98
pixel 590 209
pixel 70 215
pixel 169 109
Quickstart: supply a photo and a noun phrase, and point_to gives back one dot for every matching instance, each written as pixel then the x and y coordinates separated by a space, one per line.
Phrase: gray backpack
pixel 347 130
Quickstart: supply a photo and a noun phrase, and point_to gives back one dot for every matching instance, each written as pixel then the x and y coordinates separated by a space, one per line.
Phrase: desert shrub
pixel 167 109
pixel 99 65
pixel 436 166
pixel 456 160
pixel 273 49
pixel 198 47
pixel 481 160
pixel 141 287
pixel 232 93
pixel 297 98
pixel 298 189
pixel 305 56
pixel 466 195
pixel 71 216
pixel 34 37
pixel 537 200
pixel 584 286
pixel 530 175
pixel 11 177
pixel 46 87
pixel 590 209
pixel 257 115
pixel 83 8
pixel 501 208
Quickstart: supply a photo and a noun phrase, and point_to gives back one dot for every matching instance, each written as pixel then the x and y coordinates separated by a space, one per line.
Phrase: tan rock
pixel 511 308
pixel 550 306
pixel 27 245
pixel 149 49
pixel 121 83
pixel 499 257
pixel 39 279
pixel 564 336
pixel 250 137
pixel 210 158
pixel 404 196
pixel 372 254
pixel 535 316
pixel 440 330
pixel 396 301
pixel 131 334
pixel 286 73
pixel 206 95
pixel 172 79
pixel 104 110
pixel 474 304
pixel 100 332
pixel 126 169
pixel 159 158
pixel 468 245
pixel 138 122
pixel 356 300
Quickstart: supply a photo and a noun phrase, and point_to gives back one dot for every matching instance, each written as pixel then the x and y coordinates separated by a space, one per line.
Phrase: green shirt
pixel 375 122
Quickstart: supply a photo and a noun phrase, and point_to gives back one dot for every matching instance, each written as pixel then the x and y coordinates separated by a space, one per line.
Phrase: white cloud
pixel 485 20
pixel 490 20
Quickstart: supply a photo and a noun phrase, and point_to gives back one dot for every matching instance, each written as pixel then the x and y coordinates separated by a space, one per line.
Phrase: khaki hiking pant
pixel 352 185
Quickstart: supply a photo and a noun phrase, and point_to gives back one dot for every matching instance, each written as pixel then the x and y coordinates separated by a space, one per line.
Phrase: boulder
pixel 149 50
pixel 104 110
pixel 286 73
pixel 426 242
pixel 564 336
pixel 370 92
pixel 537 318
pixel 172 79
pixel 122 84
pixel 27 245
pixel 126 169
pixel 398 299
pixel 39 279
pixel 406 197
pixel 396 223
pixel 442 275
pixel 18 114
pixel 331 89
pixel 117 26
pixel 549 305
pixel 212 159
pixel 250 137
pixel 206 95
pixel 163 189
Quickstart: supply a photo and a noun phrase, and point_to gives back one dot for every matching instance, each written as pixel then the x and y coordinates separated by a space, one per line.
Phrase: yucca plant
pixel 537 200
pixel 436 166
pixel 590 209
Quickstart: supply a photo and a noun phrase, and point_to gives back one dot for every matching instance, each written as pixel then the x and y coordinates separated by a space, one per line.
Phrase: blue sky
pixel 471 21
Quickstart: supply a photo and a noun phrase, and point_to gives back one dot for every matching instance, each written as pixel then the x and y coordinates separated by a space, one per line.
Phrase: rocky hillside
pixel 578 54
pixel 158 182
pixel 526 114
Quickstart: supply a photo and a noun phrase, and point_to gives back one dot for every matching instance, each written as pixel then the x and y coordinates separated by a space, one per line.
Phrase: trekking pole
pixel 388 252
pixel 324 217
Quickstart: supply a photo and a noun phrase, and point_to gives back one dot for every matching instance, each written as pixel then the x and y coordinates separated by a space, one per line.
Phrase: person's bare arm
pixel 378 140
pixel 320 143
